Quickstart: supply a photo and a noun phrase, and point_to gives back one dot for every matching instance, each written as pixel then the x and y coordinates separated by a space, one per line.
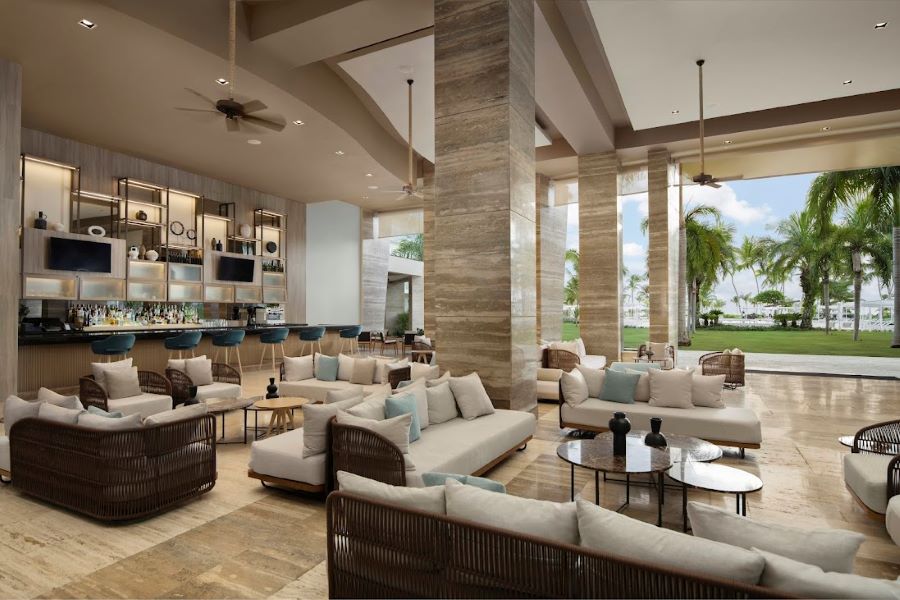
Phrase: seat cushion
pixel 866 476
pixel 593 361
pixel 465 446
pixel 281 456
pixel 730 424
pixel 547 390
pixel 316 390
pixel 144 405
pixel 218 389
pixel 891 518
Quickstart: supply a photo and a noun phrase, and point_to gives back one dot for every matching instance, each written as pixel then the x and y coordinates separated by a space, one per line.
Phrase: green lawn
pixel 773 341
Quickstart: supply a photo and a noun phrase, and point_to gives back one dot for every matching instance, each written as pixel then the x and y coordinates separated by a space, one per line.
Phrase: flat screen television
pixel 79 255
pixel 235 269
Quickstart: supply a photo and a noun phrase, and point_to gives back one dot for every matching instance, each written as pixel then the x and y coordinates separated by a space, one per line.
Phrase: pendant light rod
pixel 409 83
pixel 232 36
pixel 702 159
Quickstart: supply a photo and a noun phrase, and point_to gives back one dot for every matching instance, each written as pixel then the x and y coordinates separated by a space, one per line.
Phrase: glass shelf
pixel 218 293
pixel 97 288
pixel 185 272
pixel 147 291
pixel 149 270
pixel 274 295
pixel 185 292
pixel 247 294
pixel 48 287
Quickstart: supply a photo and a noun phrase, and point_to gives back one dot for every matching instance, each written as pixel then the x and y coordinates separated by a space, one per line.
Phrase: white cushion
pixel 593 361
pixel 547 390
pixel 471 396
pixel 277 456
pixel 182 413
pixel 199 369
pixel 144 405
pixel 346 394
pixel 99 369
pixel 109 424
pixel 377 392
pixel 555 521
pixel 51 412
pixel 15 409
pixel 809 581
pixel 4 453
pixel 363 371
pixel 48 395
pixel 574 387
pixel 315 422
pixel 419 370
pixel 122 383
pixel 297 368
pixel 465 447
pixel 730 424
pixel 830 549
pixel 430 499
pixel 218 389
pixel 445 378
pixel 441 403
pixel 620 535
pixel 642 390
pixel 369 409
pixel 892 519
pixel 316 390
pixel 395 429
pixel 380 366
pixel 707 390
pixel 593 378
pixel 671 389
pixel 579 347
pixel 345 367
pixel 418 390
pixel 866 476
pixel 176 364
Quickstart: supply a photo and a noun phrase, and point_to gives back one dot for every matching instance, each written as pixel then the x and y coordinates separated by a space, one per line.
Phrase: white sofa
pixel 866 476
pixel 548 383
pixel 316 390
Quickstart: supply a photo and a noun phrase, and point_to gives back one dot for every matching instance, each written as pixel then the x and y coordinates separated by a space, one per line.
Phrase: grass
pixel 772 341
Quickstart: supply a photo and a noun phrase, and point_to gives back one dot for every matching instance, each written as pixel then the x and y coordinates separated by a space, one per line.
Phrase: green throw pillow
pixel 328 367
pixel 102 413
pixel 619 387
pixel 436 478
pixel 394 406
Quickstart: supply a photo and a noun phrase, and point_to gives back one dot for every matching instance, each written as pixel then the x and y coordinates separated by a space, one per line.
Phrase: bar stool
pixel 350 335
pixel 229 339
pixel 270 339
pixel 313 335
pixel 183 342
pixel 114 345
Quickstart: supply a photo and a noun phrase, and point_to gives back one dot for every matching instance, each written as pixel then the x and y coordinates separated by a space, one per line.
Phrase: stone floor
pixel 867 366
pixel 244 541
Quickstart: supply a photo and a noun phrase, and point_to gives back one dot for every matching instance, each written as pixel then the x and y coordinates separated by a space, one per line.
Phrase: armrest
pixel 545 374
pixel 365 453
pixel 152 382
pixel 893 478
pixel 887 432
pixel 91 393
pixel 395 376
pixel 226 373
pixel 181 385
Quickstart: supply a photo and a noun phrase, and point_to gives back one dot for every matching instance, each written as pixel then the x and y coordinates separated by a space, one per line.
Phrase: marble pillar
pixel 484 210
pixel 10 218
pixel 416 303
pixel 428 282
pixel 600 249
pixel 551 261
pixel 375 256
pixel 662 252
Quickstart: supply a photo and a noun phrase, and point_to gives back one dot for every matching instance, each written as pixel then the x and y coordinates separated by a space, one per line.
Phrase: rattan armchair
pixel 881 438
pixel 365 453
pixel 181 382
pixel 92 393
pixel 555 358
pixel 644 354
pixel 730 365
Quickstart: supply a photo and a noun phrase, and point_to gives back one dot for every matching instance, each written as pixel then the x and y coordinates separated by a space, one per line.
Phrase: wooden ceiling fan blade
pixel 200 110
pixel 202 97
pixel 714 184
pixel 232 125
pixel 254 106
pixel 268 124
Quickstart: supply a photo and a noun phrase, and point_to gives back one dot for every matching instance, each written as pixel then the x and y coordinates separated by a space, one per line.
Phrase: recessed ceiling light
pixel 365 197
pixel 299 122
pixel 339 152
pixel 90 24
pixel 373 187
pixel 368 174
pixel 728 142
pixel 222 81
pixel 848 81
pixel 881 25
pixel 254 142
pixel 675 112
pixel 826 128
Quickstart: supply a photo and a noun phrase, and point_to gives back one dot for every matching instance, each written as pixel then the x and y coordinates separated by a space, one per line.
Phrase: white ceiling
pixel 759 54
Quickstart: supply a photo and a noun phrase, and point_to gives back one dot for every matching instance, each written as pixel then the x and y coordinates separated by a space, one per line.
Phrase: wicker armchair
pixel 114 475
pixel 730 365
pixel 881 439
pixel 181 383
pixel 554 358
pixel 92 393
pixel 365 453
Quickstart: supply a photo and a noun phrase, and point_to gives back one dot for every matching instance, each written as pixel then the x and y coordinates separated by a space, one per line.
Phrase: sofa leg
pixel 5 480
pixel 743 454
pixel 523 448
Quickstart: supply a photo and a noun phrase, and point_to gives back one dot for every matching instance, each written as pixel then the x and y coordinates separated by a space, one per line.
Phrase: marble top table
pixel 715 478
pixel 681 447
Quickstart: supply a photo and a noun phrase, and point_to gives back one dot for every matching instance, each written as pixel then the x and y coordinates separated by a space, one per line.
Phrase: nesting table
pixel 715 478
pixel 221 406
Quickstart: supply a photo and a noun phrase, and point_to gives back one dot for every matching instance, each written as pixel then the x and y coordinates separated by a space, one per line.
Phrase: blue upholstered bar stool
pixel 114 345
pixel 229 339
pixel 182 342
pixel 313 336
pixel 271 338
pixel 348 336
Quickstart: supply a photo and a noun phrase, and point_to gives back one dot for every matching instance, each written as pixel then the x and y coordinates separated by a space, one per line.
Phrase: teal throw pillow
pixel 621 367
pixel 394 406
pixel 328 367
pixel 102 413
pixel 437 478
pixel 619 387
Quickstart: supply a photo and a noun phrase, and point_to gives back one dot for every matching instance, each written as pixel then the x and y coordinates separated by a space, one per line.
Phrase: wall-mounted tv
pixel 79 255
pixel 235 269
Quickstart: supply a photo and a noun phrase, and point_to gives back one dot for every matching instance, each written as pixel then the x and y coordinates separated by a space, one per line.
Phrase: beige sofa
pixel 548 383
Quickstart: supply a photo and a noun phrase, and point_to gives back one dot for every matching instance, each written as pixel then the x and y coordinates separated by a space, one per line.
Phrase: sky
pixel 753 206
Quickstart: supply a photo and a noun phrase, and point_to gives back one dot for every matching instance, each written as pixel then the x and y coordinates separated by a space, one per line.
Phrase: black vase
pixel 271 389
pixel 219 246
pixel 41 221
pixel 620 426
pixel 655 438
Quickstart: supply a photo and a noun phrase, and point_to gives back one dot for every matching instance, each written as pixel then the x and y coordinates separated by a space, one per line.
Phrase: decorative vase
pixel 219 246
pixel 192 396
pixel 141 215
pixel 151 255
pixel 41 221
pixel 246 230
pixel 619 425
pixel 655 438
pixel 57 226
pixel 133 252
pixel 271 389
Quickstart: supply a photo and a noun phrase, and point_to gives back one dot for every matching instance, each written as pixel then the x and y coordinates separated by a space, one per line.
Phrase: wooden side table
pixel 282 412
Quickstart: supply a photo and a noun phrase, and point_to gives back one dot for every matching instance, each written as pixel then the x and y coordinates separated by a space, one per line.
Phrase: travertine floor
pixel 242 540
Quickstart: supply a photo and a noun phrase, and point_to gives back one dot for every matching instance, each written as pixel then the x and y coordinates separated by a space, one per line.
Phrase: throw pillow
pixel 99 370
pixel 379 394
pixel 94 421
pixel 619 387
pixel 122 383
pixel 298 368
pixel 333 396
pixel 579 346
pixel 48 395
pixel 419 370
pixel 418 390
pixel 176 364
pixel 404 404
pixel 471 396
pixel 326 367
pixel 369 409
pixel 706 390
pixel 445 378
pixel 809 581
pixel 659 349
pixel 594 379
pixel 345 367
pixel 363 371
pixel 396 430
pixel 828 549
pixel 102 413
pixel 441 403
pixel 381 365
pixel 51 412
pixel 619 535
pixel 435 478
pixel 182 413
pixel 574 387
pixel 315 424
pixel 15 409
pixel 672 388
pixel 642 391
pixel 199 369
pixel 556 521
pixel 429 499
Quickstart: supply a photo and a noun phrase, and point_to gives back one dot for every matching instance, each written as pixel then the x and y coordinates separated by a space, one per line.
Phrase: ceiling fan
pixel 703 178
pixel 235 112
pixel 408 191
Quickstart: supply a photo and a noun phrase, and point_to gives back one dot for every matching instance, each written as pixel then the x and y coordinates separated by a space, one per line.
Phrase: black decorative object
pixel 271 389
pixel 271 247
pixel 655 438
pixel 176 227
pixel 141 215
pixel 620 426
pixel 41 221
pixel 192 396
pixel 219 246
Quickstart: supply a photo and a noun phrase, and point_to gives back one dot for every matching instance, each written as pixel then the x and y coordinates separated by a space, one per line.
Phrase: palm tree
pixel 796 252
pixel 857 237
pixel 708 246
pixel 632 284
pixel 825 265
pixel 412 247
pixel 752 255
pixel 573 259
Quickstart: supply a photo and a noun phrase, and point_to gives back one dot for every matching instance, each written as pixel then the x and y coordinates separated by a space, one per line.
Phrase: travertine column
pixel 484 201
pixel 663 249
pixel 10 216
pixel 600 249
pixel 416 303
pixel 551 261
pixel 375 256
pixel 428 247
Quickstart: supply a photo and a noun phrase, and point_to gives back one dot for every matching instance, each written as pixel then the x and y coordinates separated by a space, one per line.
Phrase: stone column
pixel 374 272
pixel 663 249
pixel 600 249
pixel 484 236
pixel 10 218
pixel 428 248
pixel 416 303
pixel 551 261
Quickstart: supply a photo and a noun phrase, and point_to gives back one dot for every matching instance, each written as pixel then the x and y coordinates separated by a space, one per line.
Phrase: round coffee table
pixel 714 478
pixel 681 447
pixel 220 406
pixel 871 446
pixel 282 412
pixel 597 455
